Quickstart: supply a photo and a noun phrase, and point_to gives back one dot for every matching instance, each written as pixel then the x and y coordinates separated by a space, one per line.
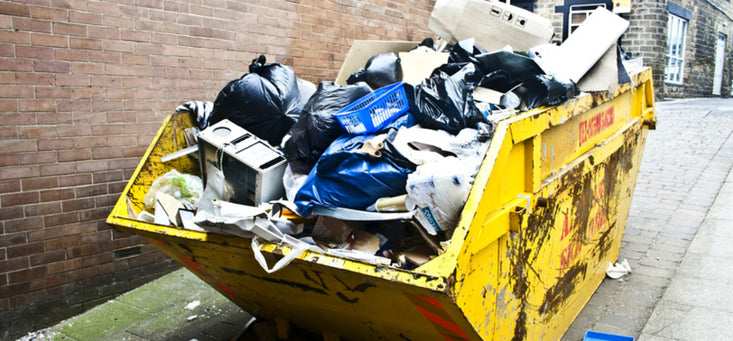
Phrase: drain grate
pixel 128 252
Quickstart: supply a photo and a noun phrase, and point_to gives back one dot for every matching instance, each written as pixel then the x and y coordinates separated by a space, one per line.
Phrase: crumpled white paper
pixel 619 269
pixel 193 305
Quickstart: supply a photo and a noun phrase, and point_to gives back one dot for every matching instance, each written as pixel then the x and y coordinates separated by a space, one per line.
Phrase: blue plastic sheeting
pixel 345 177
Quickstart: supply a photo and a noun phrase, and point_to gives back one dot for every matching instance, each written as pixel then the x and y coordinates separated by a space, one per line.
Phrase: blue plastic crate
pixel 375 110
pixel 597 336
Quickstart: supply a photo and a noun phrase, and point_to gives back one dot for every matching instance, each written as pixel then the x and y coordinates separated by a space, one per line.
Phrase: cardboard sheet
pixel 167 206
pixel 362 50
pixel 588 43
pixel 417 66
pixel 604 75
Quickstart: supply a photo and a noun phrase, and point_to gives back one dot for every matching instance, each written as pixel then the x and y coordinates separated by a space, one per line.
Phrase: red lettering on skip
pixel 593 126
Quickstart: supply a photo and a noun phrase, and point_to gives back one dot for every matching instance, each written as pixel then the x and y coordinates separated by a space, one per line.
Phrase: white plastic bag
pixel 216 189
pixel 253 222
pixel 422 146
pixel 185 187
pixel 297 248
pixel 292 182
pixel 437 193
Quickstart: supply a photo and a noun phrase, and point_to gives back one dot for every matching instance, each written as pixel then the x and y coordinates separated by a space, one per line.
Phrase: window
pixel 578 14
pixel 676 38
pixel 574 12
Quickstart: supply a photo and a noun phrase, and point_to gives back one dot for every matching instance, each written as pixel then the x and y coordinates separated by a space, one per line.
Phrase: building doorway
pixel 719 62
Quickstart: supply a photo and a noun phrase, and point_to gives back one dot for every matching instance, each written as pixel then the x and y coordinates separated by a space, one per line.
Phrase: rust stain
pixel 559 293
pixel 185 247
pixel 609 175
pixel 232 271
pixel 585 202
pixel 319 281
pixel 346 299
pixel 293 284
pixel 538 229
pixel 359 288
pixel 617 168
pixel 403 337
pixel 604 243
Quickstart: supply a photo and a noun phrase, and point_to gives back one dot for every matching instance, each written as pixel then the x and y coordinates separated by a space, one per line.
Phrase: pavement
pixel 677 242
pixel 677 214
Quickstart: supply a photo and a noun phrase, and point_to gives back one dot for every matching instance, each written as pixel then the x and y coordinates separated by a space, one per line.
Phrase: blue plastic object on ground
pixel 375 110
pixel 597 336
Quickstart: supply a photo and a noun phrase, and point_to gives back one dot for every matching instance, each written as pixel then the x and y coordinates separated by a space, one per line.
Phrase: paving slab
pixel 104 322
pixel 164 293
pixel 157 311
pixel 707 268
pixel 697 305
pixel 678 322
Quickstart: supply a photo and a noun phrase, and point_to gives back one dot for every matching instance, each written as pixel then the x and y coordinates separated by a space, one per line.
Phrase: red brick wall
pixel 85 84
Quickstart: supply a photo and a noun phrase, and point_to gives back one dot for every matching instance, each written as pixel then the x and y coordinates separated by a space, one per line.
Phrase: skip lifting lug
pixel 516 216
pixel 651 124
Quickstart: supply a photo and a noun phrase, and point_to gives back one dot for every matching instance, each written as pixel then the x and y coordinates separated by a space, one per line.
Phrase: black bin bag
pixel 266 101
pixel 546 90
pixel 380 70
pixel 317 126
pixel 446 102
pixel 505 70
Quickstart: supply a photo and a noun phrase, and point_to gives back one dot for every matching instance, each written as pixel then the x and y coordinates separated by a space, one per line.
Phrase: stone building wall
pixel 647 38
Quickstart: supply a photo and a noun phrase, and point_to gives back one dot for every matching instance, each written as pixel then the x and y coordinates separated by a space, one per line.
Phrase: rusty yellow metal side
pixel 561 251
pixel 544 218
pixel 317 292
pixel 170 138
pixel 548 224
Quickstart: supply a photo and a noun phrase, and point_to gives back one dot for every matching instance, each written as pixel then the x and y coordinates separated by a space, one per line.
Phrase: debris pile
pixel 377 165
